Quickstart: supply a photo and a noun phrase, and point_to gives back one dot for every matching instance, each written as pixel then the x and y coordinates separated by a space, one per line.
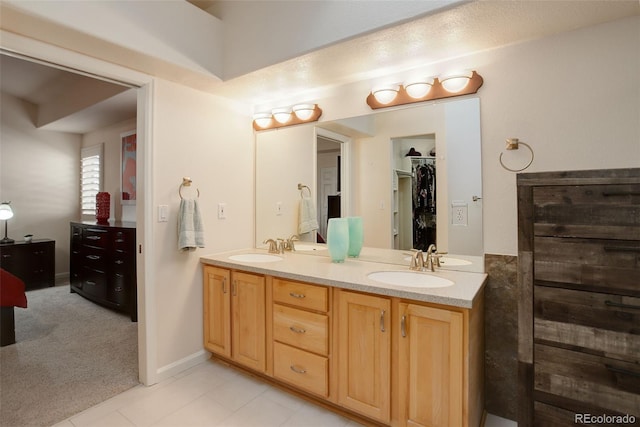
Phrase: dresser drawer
pixel 593 211
pixel 123 241
pixel 94 258
pixel 563 377
pixel 305 370
pixel 93 283
pixel 302 295
pixel 302 329
pixel 601 323
pixel 96 237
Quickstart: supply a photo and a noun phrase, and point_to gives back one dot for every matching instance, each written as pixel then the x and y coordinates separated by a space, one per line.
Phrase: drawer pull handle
pixel 6 256
pixel 403 326
pixel 234 288
pixel 622 371
pixel 382 321
pixel 295 295
pixel 119 261
pixel 224 285
pixel 621 305
pixel 298 370
pixel 91 282
pixel 93 237
pixel 119 289
pixel 621 249
pixel 297 330
pixel 620 193
pixel 93 257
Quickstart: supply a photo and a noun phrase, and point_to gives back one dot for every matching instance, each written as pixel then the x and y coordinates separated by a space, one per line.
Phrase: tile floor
pixel 212 395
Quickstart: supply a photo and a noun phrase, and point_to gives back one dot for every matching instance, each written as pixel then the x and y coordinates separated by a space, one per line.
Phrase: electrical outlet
pixel 222 210
pixel 278 208
pixel 459 212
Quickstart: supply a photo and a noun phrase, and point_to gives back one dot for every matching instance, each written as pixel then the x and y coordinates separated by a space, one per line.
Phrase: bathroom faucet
pixel 290 245
pixel 417 261
pixel 433 258
pixel 273 246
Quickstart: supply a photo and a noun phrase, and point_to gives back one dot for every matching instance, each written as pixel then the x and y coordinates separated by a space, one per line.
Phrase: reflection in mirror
pixel 378 143
pixel 328 182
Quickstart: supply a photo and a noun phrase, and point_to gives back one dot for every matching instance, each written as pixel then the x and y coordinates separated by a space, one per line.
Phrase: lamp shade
pixel 385 94
pixel 456 82
pixel 262 119
pixel 418 89
pixel 282 115
pixel 5 211
pixel 304 111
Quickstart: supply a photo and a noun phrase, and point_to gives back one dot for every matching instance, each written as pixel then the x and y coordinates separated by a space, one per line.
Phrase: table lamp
pixel 5 213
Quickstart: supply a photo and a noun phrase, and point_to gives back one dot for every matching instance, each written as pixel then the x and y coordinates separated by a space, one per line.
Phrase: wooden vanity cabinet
pixel 432 356
pixel 301 325
pixel 364 354
pixel 234 313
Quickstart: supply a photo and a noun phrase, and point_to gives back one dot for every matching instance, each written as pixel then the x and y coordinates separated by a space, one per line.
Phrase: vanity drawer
pixel 305 370
pixel 302 295
pixel 302 329
pixel 565 377
pixel 603 323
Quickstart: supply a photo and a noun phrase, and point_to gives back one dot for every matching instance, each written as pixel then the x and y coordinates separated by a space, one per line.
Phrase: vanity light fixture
pixel 282 115
pixel 427 90
pixel 262 120
pixel 287 116
pixel 456 82
pixel 386 94
pixel 419 88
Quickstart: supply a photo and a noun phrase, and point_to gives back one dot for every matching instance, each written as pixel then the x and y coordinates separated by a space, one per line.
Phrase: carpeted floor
pixel 69 355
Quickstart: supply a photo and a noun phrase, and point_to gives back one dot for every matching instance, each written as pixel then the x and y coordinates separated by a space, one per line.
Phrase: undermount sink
pixel 412 279
pixel 255 258
pixel 304 247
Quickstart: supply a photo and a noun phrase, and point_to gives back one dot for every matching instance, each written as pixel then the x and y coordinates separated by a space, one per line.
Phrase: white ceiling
pixel 458 31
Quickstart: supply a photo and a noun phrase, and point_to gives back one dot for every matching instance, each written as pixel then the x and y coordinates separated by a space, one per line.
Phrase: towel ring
pixel 513 144
pixel 301 187
pixel 186 182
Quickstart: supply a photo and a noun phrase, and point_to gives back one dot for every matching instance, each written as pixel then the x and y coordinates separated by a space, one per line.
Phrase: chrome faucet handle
pixel 273 246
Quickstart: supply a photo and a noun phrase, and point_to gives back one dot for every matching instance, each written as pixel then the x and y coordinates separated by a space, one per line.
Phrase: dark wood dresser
pixel 103 264
pixel 34 262
pixel 579 297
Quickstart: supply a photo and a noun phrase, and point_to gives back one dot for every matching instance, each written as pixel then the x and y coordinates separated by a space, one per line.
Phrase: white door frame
pixel 62 58
pixel 345 167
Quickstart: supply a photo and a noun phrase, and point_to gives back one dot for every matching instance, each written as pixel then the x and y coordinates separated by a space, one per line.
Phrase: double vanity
pixel 372 340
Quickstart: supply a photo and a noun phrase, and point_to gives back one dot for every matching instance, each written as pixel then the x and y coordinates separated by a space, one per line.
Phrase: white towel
pixel 190 232
pixel 308 220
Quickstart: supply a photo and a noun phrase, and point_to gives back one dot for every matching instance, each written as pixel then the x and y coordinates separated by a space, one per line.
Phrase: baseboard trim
pixel 183 364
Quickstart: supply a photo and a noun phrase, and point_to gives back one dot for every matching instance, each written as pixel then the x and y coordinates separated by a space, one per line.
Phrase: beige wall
pixel 39 173
pixel 198 135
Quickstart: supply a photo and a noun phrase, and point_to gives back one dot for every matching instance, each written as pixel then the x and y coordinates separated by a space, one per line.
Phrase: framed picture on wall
pixel 128 168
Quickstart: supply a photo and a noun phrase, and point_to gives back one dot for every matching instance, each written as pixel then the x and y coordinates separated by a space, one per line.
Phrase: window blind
pixel 90 178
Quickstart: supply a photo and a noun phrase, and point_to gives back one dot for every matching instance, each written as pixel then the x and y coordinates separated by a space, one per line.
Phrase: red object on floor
pixel 11 290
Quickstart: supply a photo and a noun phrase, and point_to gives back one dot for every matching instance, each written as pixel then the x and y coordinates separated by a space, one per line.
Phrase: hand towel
pixel 190 232
pixel 308 220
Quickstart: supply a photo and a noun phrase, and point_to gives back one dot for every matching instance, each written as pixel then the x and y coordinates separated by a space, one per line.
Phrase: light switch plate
pixel 222 210
pixel 163 213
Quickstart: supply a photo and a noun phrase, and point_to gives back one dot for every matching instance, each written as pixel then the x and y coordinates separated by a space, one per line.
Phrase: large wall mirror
pixel 360 167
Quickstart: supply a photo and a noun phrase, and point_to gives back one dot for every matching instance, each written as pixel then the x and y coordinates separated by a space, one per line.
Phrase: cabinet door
pixel 430 366
pixel 364 354
pixel 249 331
pixel 217 310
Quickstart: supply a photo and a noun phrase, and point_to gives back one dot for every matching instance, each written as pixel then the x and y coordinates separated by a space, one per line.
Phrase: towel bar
pixel 186 182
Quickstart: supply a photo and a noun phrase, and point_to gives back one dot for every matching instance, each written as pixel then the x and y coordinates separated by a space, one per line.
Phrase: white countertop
pixel 352 274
